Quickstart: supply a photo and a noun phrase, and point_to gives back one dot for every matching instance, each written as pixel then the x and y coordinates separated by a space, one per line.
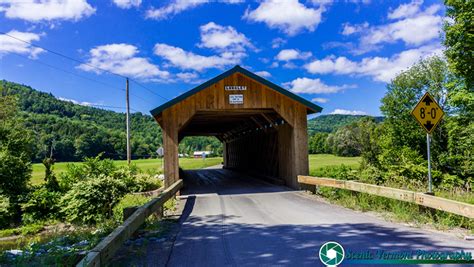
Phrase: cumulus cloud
pixel 405 10
pixel 278 42
pixel 127 3
pixel 319 100
pixel 349 29
pixel 292 54
pixel 178 6
pixel 379 68
pixel 408 24
pixel 36 11
pixel 348 112
pixel 82 103
pixel 219 37
pixel 188 60
pixel 289 16
pixel 263 73
pixel 314 86
pixel 12 45
pixel 122 59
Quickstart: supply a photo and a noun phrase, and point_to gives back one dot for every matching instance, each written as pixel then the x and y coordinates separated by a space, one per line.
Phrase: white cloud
pixel 127 3
pixel 319 100
pixel 348 112
pixel 189 77
pixel 405 10
pixel 263 73
pixel 292 54
pixel 278 42
pixel 36 11
pixel 223 37
pixel 409 24
pixel 289 16
pixel 414 30
pixel 122 59
pixel 82 103
pixel 314 86
pixel 188 60
pixel 178 6
pixel 11 45
pixel 349 29
pixel 175 7
pixel 379 68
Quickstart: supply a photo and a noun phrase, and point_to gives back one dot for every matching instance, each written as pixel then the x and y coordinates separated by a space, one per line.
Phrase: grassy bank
pixel 144 164
pixel 316 162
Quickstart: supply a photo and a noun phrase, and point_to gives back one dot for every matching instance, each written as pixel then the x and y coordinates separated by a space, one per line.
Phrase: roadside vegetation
pixel 393 151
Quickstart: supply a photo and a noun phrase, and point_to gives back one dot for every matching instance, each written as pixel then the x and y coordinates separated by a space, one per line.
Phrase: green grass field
pixel 315 162
pixel 144 164
pixel 323 160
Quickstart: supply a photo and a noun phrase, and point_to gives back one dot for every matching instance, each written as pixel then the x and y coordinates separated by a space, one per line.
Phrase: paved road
pixel 234 220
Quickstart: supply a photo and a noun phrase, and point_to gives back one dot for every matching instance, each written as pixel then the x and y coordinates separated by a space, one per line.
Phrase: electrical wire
pixel 84 63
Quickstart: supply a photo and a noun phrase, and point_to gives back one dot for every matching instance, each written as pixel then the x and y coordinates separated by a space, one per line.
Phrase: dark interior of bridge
pixel 250 138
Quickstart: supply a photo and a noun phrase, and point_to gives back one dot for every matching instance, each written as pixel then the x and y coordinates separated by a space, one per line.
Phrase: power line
pixel 80 76
pixel 82 62
pixel 61 55
pixel 66 71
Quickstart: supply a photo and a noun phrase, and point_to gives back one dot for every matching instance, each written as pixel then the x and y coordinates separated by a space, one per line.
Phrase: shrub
pixel 341 172
pixel 91 167
pixel 128 200
pixel 5 211
pixel 92 200
pixel 41 204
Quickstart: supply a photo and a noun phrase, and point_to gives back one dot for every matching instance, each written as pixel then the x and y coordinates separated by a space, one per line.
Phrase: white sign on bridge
pixel 236 99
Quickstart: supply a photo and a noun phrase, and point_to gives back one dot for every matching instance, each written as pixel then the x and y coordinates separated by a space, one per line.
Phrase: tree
pixel 403 142
pixel 318 144
pixel 459 40
pixel 15 149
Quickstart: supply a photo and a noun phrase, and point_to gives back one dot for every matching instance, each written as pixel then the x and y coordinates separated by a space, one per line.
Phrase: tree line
pixel 70 132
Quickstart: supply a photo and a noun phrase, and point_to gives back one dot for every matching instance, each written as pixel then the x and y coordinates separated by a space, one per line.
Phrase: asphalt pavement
pixel 231 219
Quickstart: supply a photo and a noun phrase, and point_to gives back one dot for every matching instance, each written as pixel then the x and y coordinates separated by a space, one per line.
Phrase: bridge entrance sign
pixel 428 114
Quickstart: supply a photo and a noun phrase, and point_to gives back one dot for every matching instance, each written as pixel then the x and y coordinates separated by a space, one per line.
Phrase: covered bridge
pixel 262 126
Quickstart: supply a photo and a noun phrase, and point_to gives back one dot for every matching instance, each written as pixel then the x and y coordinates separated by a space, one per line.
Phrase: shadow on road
pixel 225 182
pixel 212 243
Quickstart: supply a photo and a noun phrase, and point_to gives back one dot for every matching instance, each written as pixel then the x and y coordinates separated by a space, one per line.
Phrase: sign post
pixel 428 114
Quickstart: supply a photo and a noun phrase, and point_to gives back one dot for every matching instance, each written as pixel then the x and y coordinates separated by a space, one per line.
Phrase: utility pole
pixel 129 151
pixel 430 183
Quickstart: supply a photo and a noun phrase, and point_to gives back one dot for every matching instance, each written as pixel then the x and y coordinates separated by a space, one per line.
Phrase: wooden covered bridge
pixel 262 126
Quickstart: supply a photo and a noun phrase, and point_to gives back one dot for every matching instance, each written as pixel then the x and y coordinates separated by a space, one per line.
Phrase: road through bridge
pixel 231 219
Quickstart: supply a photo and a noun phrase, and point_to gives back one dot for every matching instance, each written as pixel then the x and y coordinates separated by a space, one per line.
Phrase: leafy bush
pixel 41 204
pixel 5 211
pixel 91 167
pixel 341 172
pixel 92 200
pixel 128 200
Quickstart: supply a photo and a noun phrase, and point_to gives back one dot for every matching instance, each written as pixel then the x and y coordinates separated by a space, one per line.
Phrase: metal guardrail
pixel 105 250
pixel 448 205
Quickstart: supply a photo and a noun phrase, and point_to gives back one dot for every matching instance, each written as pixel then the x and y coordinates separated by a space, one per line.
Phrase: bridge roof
pixel 311 107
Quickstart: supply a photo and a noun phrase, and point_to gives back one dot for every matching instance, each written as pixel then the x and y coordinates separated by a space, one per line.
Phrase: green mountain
pixel 73 131
pixel 330 123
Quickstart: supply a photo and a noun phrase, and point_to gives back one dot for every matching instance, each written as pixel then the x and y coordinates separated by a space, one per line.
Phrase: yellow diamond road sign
pixel 428 113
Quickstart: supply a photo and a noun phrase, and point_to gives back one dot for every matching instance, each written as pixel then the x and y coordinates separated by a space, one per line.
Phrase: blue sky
pixel 338 54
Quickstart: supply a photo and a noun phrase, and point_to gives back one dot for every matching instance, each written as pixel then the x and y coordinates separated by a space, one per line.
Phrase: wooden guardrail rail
pixel 448 205
pixel 105 250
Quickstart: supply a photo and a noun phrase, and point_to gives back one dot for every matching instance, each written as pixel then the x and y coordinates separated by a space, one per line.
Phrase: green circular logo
pixel 331 253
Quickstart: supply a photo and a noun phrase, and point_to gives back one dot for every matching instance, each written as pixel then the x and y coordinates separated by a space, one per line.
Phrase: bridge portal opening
pixel 263 127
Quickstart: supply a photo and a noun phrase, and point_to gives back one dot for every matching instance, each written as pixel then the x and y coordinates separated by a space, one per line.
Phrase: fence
pixel 451 206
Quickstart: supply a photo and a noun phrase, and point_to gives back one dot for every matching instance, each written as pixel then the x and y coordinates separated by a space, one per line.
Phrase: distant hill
pixel 329 123
pixel 75 131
